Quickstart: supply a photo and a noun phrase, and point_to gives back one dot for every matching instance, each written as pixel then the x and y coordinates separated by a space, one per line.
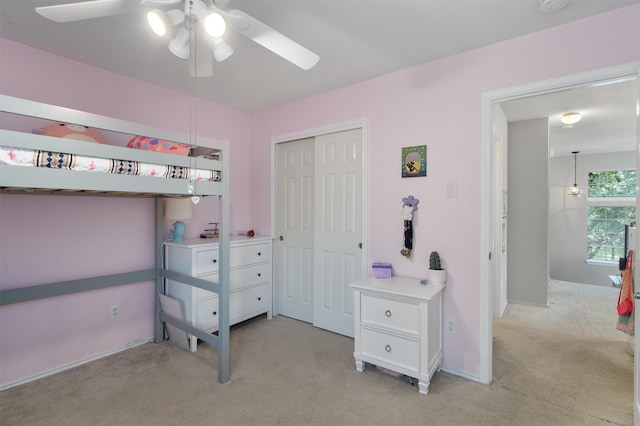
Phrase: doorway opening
pixel 489 99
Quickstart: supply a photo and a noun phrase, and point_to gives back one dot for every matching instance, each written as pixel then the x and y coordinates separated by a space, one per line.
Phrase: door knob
pixel 359 245
pixel 281 238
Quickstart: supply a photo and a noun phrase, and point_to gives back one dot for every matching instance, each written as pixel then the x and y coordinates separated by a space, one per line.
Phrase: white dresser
pixel 250 287
pixel 398 326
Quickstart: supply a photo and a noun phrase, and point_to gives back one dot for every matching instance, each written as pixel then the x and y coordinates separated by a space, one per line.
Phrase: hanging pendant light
pixel 575 190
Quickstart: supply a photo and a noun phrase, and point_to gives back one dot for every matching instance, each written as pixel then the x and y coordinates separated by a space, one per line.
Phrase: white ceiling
pixel 355 39
pixel 608 117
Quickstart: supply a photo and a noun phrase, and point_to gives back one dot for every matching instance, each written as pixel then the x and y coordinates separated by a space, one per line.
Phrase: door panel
pixel 338 234
pixel 295 211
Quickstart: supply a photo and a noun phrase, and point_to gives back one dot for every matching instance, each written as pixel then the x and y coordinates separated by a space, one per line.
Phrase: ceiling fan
pixel 196 30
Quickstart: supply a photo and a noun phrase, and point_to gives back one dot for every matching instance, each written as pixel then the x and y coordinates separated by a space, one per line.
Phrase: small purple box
pixel 381 270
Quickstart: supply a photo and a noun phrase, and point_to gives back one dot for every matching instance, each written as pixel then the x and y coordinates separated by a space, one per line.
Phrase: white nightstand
pixel 398 326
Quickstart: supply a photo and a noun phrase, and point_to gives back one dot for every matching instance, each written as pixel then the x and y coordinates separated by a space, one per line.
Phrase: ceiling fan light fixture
pixel 570 118
pixel 156 21
pixel 221 50
pixel 180 44
pixel 214 24
pixel 161 21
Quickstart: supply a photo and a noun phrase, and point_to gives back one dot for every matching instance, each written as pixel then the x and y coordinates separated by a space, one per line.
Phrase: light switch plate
pixel 452 188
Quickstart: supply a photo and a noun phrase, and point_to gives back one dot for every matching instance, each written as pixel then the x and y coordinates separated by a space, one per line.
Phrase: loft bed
pixel 33 163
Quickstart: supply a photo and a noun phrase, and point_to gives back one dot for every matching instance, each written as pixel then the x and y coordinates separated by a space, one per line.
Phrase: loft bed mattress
pixel 39 163
pixel 67 161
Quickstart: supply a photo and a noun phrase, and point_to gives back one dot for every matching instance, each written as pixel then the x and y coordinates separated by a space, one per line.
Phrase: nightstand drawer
pixel 391 314
pixel 207 314
pixel 207 262
pixel 248 254
pixel 402 352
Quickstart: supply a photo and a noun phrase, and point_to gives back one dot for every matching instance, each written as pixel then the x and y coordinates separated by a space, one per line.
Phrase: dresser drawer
pixel 399 351
pixel 246 277
pixel 239 278
pixel 249 254
pixel 390 314
pixel 206 261
pixel 205 294
pixel 207 314
pixel 244 303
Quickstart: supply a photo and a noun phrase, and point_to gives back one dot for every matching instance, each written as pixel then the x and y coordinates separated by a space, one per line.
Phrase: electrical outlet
pixel 115 311
pixel 451 326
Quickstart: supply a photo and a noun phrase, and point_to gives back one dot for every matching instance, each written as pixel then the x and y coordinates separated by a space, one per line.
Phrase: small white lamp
pixel 177 209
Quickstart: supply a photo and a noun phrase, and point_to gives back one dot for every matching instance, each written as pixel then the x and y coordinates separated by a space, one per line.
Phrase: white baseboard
pixel 10 385
pixel 463 375
pixel 527 303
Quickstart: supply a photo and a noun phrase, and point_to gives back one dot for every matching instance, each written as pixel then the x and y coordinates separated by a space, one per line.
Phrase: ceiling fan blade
pixel 70 12
pixel 269 38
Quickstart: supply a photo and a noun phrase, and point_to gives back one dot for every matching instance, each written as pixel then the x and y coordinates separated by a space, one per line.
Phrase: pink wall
pixel 438 104
pixel 47 239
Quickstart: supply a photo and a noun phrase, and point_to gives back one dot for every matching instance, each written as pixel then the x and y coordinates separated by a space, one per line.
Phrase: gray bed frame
pixel 38 180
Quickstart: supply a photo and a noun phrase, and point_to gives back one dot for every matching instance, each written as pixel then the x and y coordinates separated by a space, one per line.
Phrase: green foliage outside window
pixel 605 238
pixel 605 224
pixel 612 183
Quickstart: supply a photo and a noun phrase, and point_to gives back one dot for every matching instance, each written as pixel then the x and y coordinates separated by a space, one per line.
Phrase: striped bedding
pixel 61 160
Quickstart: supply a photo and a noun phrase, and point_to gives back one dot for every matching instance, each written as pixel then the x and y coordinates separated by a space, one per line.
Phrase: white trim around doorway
pixel 486 215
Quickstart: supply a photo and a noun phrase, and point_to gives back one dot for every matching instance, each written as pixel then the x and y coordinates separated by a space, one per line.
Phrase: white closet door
pixel 294 227
pixel 338 228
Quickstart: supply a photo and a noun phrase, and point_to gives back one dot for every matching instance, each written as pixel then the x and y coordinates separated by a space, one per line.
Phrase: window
pixel 612 184
pixel 605 229
pixel 612 206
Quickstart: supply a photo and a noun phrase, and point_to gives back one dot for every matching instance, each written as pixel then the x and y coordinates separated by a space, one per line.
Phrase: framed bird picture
pixel 414 161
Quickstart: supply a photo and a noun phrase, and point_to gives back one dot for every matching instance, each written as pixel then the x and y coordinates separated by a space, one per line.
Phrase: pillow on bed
pixel 72 131
pixel 158 145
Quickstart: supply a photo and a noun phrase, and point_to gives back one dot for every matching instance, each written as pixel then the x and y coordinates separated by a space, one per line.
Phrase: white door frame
pixel 486 190
pixel 360 123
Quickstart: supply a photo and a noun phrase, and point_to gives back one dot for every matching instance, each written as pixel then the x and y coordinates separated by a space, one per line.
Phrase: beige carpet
pixel 566 365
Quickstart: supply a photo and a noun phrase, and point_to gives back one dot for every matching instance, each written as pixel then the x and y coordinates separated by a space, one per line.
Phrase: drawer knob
pixel 387 348
pixel 387 313
pixel 215 313
pixel 259 254
pixel 259 298
pixel 259 274
pixel 215 260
